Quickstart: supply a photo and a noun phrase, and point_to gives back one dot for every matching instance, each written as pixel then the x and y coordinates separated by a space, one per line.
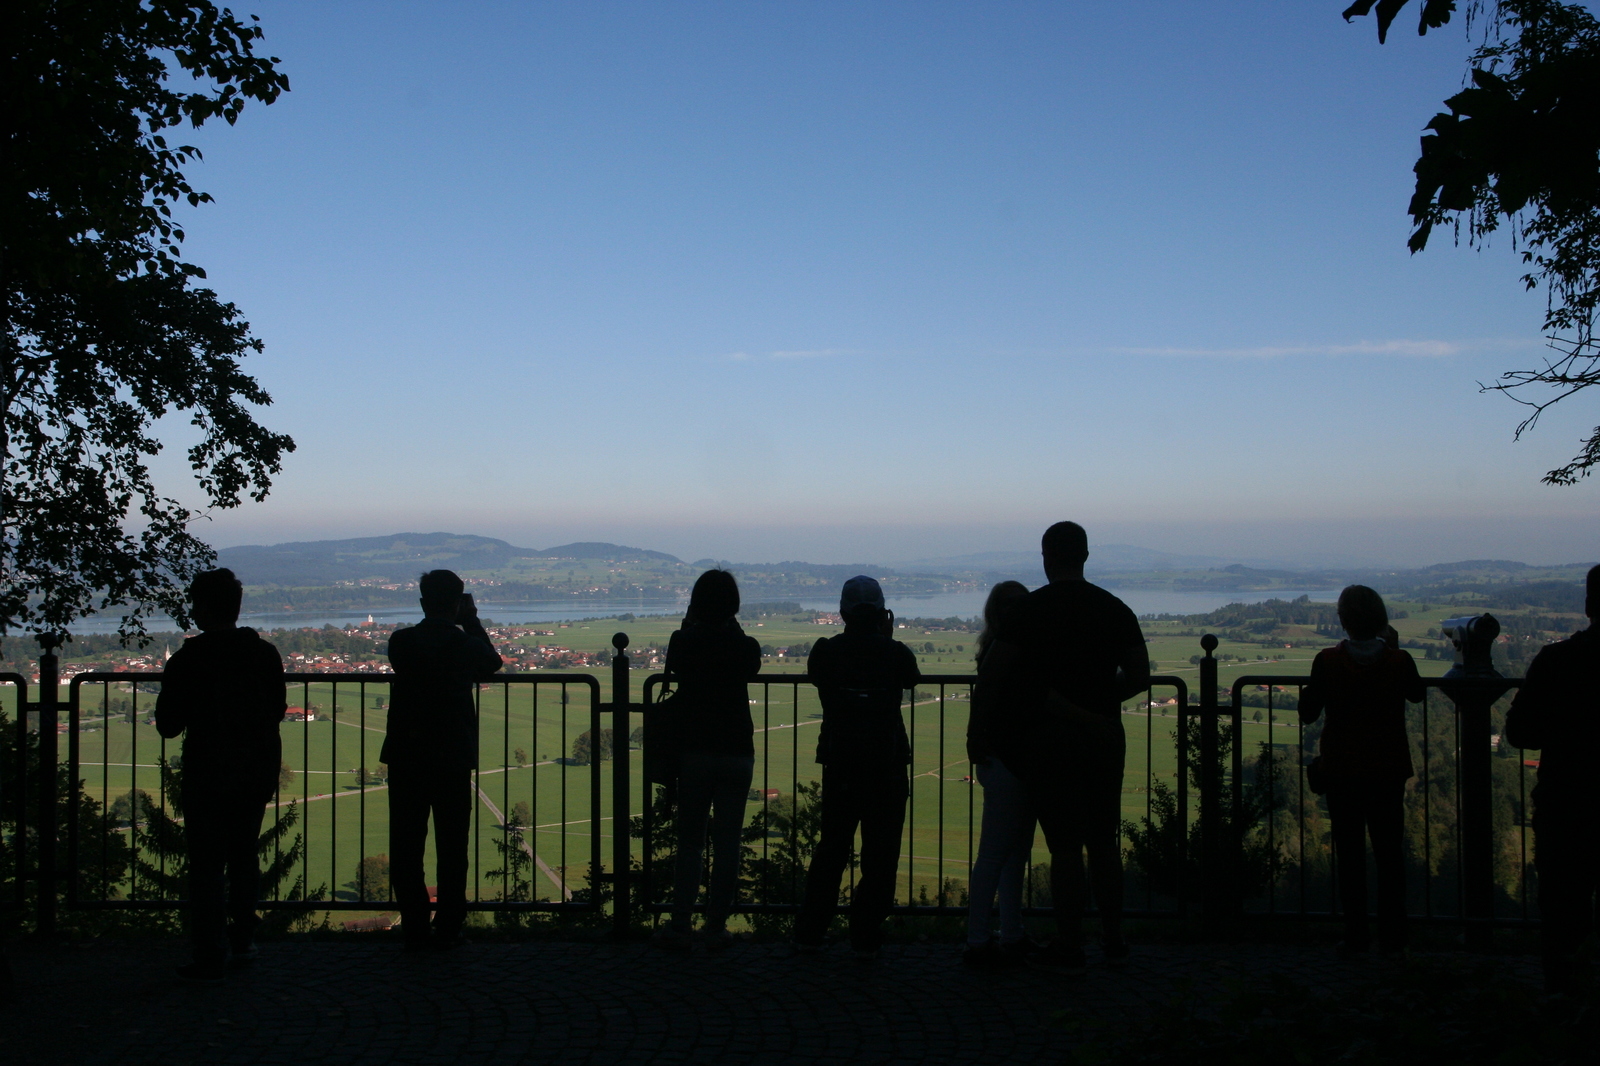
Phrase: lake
pixel 938 605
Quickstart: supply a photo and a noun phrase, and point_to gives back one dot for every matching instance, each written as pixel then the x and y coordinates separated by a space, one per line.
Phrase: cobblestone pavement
pixel 358 1001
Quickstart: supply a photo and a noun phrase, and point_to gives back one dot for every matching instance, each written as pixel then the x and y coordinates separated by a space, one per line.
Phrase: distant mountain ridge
pixel 531 574
pixel 1103 558
pixel 401 557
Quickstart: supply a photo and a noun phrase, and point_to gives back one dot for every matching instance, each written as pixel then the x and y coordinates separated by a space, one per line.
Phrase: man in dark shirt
pixel 1052 684
pixel 861 676
pixel 224 691
pixel 1557 711
pixel 431 749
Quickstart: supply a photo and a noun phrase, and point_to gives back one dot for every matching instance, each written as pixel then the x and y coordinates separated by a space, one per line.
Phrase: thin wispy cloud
pixel 1412 349
pixel 812 353
pixel 803 353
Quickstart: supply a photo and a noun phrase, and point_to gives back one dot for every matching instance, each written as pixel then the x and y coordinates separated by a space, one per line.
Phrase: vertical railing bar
pixel 361 799
pixel 561 761
pixel 1522 833
pixel 939 783
pixel 333 779
pixel 1236 724
pixel 1300 800
pixel 533 790
pixel 23 784
pixel 477 804
pixel 505 773
pixel 305 785
pixel 161 759
pixel 1182 711
pixel 595 848
pixel 794 775
pixel 105 779
pixel 133 757
pixel 1272 795
pixel 766 779
pixel 972 788
pixel 1427 810
pixel 1461 782
pixel 911 808
pixel 74 753
pixel 1149 779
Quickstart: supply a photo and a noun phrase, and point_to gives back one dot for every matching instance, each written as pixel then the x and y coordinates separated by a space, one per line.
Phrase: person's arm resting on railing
pixel 1313 697
pixel 1133 670
pixel 175 702
pixel 1527 722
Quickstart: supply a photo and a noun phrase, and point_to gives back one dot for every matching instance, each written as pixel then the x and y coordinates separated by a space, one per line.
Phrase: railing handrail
pixel 1224 706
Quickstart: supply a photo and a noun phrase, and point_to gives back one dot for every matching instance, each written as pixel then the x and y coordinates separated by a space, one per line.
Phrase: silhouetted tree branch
pixel 103 331
pixel 1522 143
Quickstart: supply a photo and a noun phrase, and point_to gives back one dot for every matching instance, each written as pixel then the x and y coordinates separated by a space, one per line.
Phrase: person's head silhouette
pixel 441 594
pixel 1591 599
pixel 714 598
pixel 1362 613
pixel 1065 547
pixel 216 596
pixel 862 606
pixel 1000 597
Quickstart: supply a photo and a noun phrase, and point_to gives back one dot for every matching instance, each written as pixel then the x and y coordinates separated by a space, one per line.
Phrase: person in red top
pixel 1362 685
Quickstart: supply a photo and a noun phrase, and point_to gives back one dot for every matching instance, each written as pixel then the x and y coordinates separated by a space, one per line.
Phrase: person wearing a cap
pixel 861 676
pixel 1051 686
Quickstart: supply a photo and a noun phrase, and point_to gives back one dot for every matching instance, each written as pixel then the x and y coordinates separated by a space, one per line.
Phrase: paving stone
pixel 341 1002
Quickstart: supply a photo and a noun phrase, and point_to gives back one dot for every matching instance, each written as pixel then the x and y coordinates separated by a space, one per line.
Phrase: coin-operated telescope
pixel 1473 636
pixel 1474 685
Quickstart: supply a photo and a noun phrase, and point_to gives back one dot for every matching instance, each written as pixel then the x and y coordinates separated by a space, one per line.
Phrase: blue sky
pixel 874 281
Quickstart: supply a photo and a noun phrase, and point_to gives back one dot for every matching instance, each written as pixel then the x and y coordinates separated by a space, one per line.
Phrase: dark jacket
pixel 1557 711
pixel 433 718
pixel 861 678
pixel 712 666
pixel 224 691
pixel 1364 738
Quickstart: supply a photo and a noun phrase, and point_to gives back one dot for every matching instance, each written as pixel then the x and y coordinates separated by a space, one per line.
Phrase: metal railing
pixel 1468 808
pixel 1218 786
pixel 941 831
pixel 339 724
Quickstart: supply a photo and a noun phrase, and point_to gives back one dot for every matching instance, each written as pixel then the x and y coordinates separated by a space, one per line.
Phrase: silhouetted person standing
pixel 1362 685
pixel 431 749
pixel 712 661
pixel 1556 712
pixel 1051 688
pixel 224 691
pixel 1006 841
pixel 861 676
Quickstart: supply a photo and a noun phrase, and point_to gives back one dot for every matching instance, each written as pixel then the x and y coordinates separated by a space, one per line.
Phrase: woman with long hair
pixel 712 661
pixel 1364 761
pixel 1006 838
